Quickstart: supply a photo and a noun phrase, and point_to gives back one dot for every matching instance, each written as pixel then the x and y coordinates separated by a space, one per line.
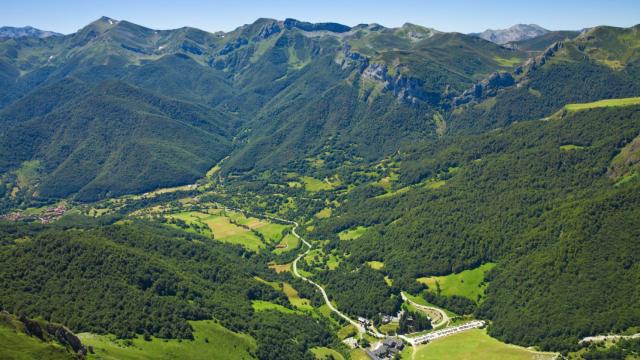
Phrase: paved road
pixel 445 317
pixel 360 328
pixel 600 338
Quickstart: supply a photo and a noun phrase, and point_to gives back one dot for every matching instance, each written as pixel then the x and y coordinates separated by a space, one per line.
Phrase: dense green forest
pixel 519 199
pixel 145 279
pixel 403 153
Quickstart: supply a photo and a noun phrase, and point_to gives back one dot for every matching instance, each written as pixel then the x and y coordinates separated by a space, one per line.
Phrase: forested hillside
pixel 178 191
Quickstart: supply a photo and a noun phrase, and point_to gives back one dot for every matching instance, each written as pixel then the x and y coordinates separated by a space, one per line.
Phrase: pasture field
pixel 261 305
pixel 352 234
pixel 571 147
pixel 472 344
pixel 219 225
pixel 322 353
pixel 211 341
pixel 324 213
pixel 295 299
pixel 359 354
pixel 280 268
pixel 375 265
pixel 290 241
pixel 604 103
pixel 468 283
pixel 312 184
pixel 508 62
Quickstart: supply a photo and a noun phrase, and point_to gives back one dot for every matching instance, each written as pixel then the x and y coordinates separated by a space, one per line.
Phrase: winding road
pixel 361 329
pixel 445 318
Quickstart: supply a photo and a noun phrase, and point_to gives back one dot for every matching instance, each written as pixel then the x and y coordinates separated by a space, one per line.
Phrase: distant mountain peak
pixel 307 26
pixel 26 31
pixel 514 33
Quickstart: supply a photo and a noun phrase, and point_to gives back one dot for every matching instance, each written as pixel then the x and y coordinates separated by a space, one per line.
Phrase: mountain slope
pixel 536 199
pixel 542 42
pixel 600 63
pixel 27 31
pixel 516 32
pixel 110 139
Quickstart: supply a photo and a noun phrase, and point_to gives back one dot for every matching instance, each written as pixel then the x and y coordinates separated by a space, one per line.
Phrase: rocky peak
pixel 27 31
pixel 515 33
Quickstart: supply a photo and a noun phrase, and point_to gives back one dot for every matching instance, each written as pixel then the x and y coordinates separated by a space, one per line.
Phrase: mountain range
pixel 488 176
pixel 27 31
pixel 516 32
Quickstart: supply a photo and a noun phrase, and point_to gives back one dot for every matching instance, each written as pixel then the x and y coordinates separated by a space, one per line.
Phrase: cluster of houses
pixel 386 350
pixel 388 318
pixel 46 217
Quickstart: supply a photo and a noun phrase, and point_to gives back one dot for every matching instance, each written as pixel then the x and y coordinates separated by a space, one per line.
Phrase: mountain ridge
pixel 516 32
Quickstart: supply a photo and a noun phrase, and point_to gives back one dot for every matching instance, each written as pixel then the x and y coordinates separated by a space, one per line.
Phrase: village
pixel 47 216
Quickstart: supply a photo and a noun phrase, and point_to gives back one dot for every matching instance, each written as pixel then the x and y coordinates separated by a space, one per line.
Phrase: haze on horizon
pixel 462 16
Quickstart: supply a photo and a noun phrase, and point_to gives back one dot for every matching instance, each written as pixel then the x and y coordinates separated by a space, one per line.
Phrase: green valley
pixel 297 190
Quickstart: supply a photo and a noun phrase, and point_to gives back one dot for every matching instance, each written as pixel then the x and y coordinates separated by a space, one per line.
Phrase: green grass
pixel 272 232
pixel 322 353
pixel 292 243
pixel 434 184
pixel 507 62
pixel 352 234
pixel 395 192
pixel 19 346
pixel 467 283
pixel 359 354
pixel 376 265
pixel 313 185
pixel 211 341
pixel 261 305
pixel 347 331
pixel 295 299
pixel 333 262
pixel 324 213
pixel 604 103
pixel 571 147
pixel 389 328
pixel 472 344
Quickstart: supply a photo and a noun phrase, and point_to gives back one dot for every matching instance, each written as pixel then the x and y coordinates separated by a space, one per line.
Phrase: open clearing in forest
pixel 295 299
pixel 261 305
pixel 289 243
pixel 604 103
pixel 472 344
pixel 211 341
pixel 468 283
pixel 352 234
pixel 322 353
pixel 312 184
pixel 232 227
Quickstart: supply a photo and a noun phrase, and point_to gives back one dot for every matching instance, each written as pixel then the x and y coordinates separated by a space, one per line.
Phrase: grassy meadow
pixel 211 341
pixel 468 283
pixel 472 345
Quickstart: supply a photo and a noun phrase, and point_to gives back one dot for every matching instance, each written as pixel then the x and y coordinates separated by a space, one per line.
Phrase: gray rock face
pixel 515 33
pixel 55 332
pixel 535 62
pixel 27 31
pixel 485 88
pixel 404 88
pixel 267 30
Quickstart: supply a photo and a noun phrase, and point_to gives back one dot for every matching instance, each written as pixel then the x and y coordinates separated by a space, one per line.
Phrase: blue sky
pixel 463 16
